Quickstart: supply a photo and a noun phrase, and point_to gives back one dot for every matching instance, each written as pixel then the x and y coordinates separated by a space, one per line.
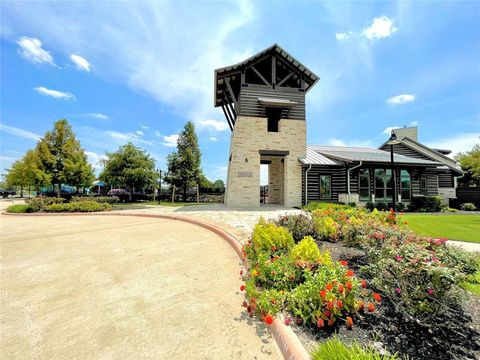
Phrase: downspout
pixel 306 184
pixel 348 178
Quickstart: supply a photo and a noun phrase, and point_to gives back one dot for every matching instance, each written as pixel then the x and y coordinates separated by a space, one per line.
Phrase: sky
pixel 137 71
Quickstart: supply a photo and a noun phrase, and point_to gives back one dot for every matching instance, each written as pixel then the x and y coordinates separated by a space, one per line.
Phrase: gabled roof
pixel 315 158
pixel 232 70
pixel 365 154
pixel 428 152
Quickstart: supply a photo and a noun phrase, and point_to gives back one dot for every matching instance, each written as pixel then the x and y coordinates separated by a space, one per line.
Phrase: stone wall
pixel 243 179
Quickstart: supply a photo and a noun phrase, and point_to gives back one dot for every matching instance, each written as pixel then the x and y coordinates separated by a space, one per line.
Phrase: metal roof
pixel 315 158
pixel 351 154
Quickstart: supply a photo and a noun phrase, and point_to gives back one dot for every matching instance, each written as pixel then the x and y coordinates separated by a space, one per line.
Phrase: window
pixel 383 184
pixel 364 184
pixel 325 187
pixel 405 185
pixel 273 117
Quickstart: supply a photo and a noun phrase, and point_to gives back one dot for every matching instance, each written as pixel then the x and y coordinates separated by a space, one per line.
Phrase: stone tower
pixel 263 99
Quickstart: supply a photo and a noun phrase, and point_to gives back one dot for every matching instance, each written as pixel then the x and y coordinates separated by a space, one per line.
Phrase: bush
pixel 334 349
pixel 269 237
pixel 448 209
pixel 325 228
pixel 299 225
pixel 306 251
pixel 468 207
pixel 78 206
pixel 314 205
pixel 40 203
pixel 99 199
pixel 426 204
pixel 384 206
pixel 19 208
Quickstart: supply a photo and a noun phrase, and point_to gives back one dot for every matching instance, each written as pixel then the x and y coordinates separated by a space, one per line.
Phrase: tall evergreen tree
pixel 129 167
pixel 184 168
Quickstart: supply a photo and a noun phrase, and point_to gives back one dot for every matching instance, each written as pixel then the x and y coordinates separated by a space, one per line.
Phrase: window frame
pixel 402 172
pixel 367 175
pixel 329 187
pixel 385 188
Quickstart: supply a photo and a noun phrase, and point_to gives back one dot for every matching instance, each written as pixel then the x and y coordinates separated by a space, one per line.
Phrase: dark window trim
pixel 369 184
pixel 320 187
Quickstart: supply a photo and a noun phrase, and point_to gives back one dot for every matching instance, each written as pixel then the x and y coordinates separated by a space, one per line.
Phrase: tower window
pixel 273 117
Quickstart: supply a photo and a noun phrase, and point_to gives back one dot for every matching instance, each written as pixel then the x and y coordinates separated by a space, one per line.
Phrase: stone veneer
pixel 249 136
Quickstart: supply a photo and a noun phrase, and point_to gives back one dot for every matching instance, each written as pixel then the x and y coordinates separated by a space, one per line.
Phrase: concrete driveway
pixel 87 287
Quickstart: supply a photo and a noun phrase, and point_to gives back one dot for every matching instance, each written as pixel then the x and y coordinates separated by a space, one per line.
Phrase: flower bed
pixel 48 204
pixel 413 280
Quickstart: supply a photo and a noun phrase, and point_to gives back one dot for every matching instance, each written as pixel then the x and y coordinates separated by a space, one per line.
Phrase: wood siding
pixel 250 106
pixel 406 151
pixel 339 182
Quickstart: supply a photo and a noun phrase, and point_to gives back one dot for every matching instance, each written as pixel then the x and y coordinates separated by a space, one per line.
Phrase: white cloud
pixel 128 136
pixel 170 141
pixel 343 36
pixel 95 160
pixel 214 124
pixel 98 116
pixel 414 123
pixel 457 143
pixel 31 49
pixel 401 99
pixel 381 27
pixel 388 130
pixel 213 138
pixel 55 93
pixel 158 133
pixel 80 62
pixel 358 143
pixel 139 132
pixel 144 127
pixel 19 132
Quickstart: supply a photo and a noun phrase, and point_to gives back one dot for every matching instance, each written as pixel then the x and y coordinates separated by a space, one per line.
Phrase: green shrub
pixel 448 209
pixel 19 208
pixel 40 203
pixel 426 203
pixel 269 237
pixel 468 207
pixel 384 206
pixel 325 228
pixel 334 349
pixel 306 251
pixel 99 199
pixel 352 204
pixel 78 206
pixel 314 205
pixel 299 225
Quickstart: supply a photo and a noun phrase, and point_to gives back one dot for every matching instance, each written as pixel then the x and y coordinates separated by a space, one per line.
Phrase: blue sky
pixel 137 71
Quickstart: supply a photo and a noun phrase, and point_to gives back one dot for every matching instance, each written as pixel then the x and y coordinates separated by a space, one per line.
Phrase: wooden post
pixel 173 194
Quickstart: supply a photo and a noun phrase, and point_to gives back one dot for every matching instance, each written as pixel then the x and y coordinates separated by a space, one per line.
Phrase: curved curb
pixel 288 343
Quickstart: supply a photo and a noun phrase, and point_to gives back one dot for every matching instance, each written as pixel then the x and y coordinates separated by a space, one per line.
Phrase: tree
pixel 184 166
pixel 129 167
pixel 205 184
pixel 63 158
pixel 219 186
pixel 28 171
pixel 470 163
pixel 16 175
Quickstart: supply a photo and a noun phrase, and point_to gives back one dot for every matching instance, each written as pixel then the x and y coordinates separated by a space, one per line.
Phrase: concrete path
pixel 86 287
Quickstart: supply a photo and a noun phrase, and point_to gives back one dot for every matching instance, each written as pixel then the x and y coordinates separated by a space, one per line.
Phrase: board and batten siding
pixel 250 106
pixel 406 151
pixel 338 178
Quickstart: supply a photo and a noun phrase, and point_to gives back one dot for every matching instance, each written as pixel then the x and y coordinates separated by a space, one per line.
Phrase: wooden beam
pixel 231 93
pixel 286 78
pixel 260 75
pixel 274 71
pixel 229 105
pixel 228 119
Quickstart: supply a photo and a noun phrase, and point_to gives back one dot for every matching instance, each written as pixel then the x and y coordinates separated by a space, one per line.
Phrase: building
pixel 263 99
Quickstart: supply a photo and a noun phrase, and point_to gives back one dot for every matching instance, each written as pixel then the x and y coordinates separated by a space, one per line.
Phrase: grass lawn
pixel 453 227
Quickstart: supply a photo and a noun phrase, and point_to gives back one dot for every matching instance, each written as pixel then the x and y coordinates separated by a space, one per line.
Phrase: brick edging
pixel 287 341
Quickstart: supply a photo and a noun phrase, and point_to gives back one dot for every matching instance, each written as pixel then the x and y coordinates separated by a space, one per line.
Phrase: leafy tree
pixel 129 167
pixel 219 186
pixel 27 171
pixel 184 169
pixel 470 163
pixel 16 175
pixel 205 184
pixel 63 158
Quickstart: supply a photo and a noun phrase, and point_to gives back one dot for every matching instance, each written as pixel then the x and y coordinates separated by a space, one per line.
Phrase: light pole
pixel 393 141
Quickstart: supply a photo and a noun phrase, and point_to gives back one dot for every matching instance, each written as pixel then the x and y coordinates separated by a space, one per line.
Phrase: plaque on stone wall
pixel 245 174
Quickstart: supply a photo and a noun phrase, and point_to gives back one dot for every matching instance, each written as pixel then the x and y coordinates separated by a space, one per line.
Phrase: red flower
pixel 287 321
pixel 320 323
pixel 274 248
pixel 377 297
pixel 329 287
pixel 343 263
pixel 361 305
pixel 349 286
pixel 349 273
pixel 340 288
pixel 241 272
pixel 349 322
pixel 244 304
pixel 330 305
pixel 269 319
pixel 331 322
pixel 339 304
pixel 242 287
pixel 364 283
pixel 371 307
pixel 323 293
pixel 327 313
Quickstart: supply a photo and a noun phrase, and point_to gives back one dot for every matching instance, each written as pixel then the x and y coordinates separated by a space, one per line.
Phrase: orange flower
pixel 349 322
pixel 269 319
pixel 349 286
pixel 364 283
pixel 377 297
pixel 320 323
pixel 343 263
pixel 330 305
pixel 329 287
pixel 323 293
pixel 242 287
pixel 340 288
pixel 349 273
pixel 339 304
pixel 331 322
pixel 361 305
pixel 371 307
